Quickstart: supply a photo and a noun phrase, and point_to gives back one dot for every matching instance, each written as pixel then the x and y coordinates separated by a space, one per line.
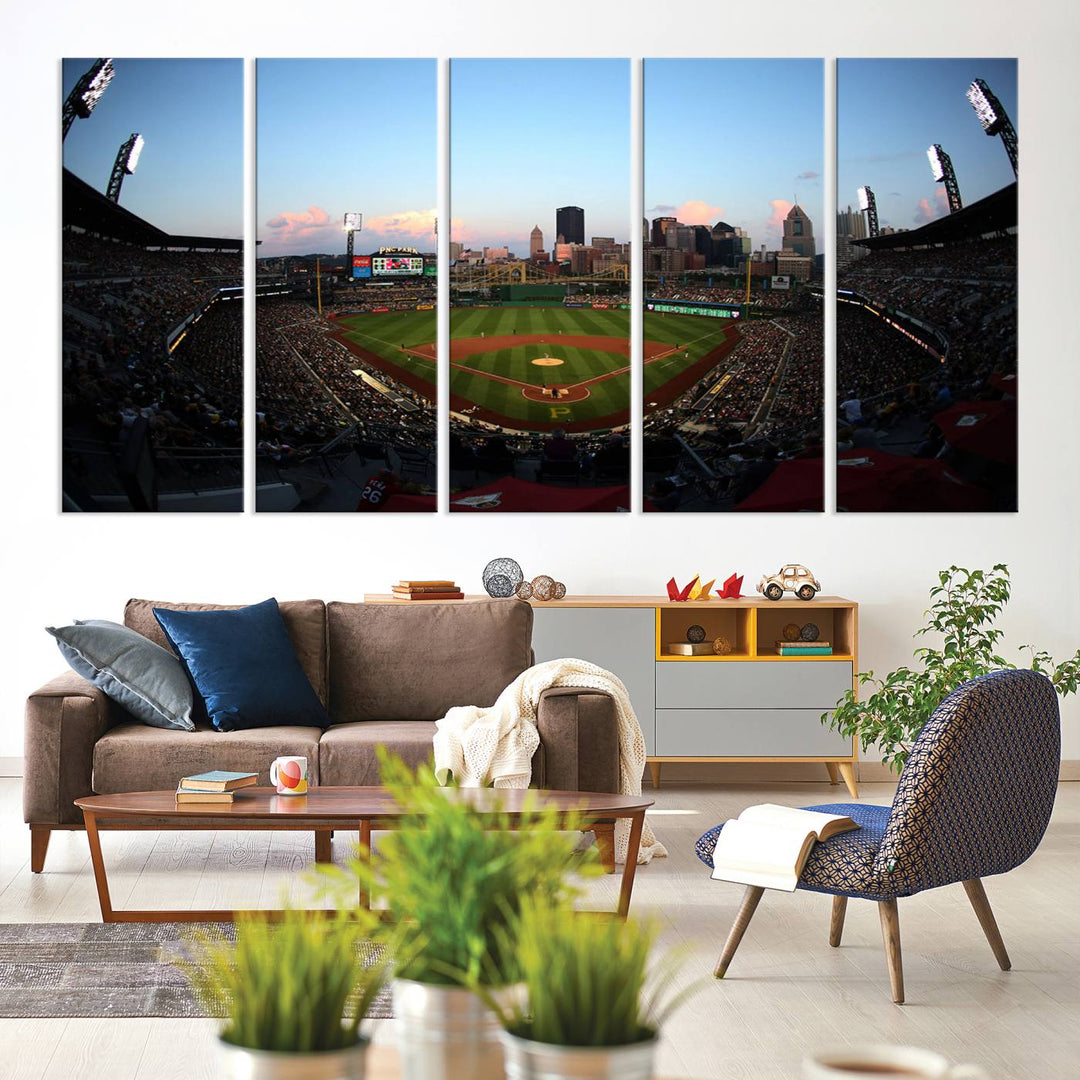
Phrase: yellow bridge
pixel 526 273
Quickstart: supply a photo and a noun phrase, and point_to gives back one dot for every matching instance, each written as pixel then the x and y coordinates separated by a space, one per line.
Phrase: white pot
pixel 528 1060
pixel 239 1063
pixel 445 1033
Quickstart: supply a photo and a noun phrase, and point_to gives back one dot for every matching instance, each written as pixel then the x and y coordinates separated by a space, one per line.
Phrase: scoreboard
pixel 677 307
pixel 397 265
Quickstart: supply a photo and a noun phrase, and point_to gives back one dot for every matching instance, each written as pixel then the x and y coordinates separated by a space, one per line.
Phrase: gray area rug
pixel 109 969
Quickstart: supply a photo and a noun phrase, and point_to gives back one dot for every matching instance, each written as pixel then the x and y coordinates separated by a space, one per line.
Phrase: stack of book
pixel 427 590
pixel 804 648
pixel 687 648
pixel 213 787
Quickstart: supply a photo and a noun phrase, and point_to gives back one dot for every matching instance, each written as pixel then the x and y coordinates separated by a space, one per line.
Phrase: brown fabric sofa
pixel 384 672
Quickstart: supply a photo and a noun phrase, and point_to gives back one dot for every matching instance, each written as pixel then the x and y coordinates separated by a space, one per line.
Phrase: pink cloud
pixel 696 212
pixel 780 210
pixel 925 211
pixel 287 224
pixel 404 225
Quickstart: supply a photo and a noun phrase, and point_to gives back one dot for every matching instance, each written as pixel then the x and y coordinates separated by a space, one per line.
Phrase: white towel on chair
pixel 495 746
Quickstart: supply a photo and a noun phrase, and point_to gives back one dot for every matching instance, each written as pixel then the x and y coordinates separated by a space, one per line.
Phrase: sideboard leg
pixel 847 771
pixel 834 772
pixel 654 769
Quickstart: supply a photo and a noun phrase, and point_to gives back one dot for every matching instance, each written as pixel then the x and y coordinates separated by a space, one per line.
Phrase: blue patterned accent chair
pixel 974 799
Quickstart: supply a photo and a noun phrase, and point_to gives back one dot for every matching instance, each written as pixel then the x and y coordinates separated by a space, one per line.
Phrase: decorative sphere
pixel 695 634
pixel 810 632
pixel 791 632
pixel 524 590
pixel 543 587
pixel 721 646
pixel 501 577
pixel 560 590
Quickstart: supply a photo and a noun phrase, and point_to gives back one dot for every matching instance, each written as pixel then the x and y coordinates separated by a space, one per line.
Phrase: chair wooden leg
pixel 890 934
pixel 747 908
pixel 836 923
pixel 977 895
pixel 39 844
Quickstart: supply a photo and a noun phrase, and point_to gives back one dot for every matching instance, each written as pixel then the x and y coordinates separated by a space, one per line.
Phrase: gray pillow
pixel 144 678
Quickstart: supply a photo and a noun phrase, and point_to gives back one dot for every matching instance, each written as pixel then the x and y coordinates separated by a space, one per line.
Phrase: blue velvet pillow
pixel 244 665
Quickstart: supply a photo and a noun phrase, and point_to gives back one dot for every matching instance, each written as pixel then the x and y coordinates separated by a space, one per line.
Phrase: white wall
pixel 57 568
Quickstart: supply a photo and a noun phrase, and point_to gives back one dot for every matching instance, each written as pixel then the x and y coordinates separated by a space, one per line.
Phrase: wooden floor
pixel 787 991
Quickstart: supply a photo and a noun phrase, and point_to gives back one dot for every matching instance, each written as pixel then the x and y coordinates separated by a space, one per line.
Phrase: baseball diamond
pixel 538 369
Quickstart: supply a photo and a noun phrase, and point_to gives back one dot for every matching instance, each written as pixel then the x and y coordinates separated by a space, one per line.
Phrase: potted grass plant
pixel 592 1005
pixel 453 880
pixel 293 993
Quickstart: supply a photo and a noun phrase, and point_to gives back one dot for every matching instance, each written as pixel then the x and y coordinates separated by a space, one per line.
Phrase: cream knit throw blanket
pixel 495 746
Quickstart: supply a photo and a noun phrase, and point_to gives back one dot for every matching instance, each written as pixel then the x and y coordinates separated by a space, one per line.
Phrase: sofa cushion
pixel 147 680
pixel 347 751
pixel 244 666
pixel 414 662
pixel 305 621
pixel 133 757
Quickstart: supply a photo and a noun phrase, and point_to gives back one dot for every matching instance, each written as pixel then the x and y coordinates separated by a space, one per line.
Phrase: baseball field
pixel 539 368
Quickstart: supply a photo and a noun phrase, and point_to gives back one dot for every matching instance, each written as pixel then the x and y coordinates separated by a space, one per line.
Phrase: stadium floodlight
pixel 868 203
pixel 993 117
pixel 127 160
pixel 86 93
pixel 354 222
pixel 942 169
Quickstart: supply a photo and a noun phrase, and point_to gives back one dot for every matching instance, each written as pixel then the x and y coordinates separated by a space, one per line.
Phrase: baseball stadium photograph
pixel 151 285
pixel 733 325
pixel 539 285
pixel 926 334
pixel 346 286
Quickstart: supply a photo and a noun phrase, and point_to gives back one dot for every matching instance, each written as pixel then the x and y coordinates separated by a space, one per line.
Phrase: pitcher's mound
pixel 546 361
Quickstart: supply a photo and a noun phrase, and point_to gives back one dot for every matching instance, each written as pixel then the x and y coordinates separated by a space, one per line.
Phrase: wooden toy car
pixel 791 578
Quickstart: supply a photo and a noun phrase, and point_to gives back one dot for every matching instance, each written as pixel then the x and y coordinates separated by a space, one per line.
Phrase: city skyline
pixel 761 152
pixel 190 176
pixel 528 136
pixel 890 111
pixel 337 136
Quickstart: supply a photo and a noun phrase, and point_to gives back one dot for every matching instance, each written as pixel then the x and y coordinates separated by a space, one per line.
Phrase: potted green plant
pixel 592 1006
pixel 452 880
pixel 965 605
pixel 293 993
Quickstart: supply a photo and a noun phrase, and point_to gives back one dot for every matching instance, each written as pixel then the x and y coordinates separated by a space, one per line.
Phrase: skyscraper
pixel 798 232
pixel 570 224
pixel 536 241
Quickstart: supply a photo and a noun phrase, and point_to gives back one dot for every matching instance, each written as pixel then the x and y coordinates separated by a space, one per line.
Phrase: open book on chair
pixel 768 845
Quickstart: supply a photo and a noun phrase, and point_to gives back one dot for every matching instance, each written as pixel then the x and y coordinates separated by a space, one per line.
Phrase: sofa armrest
pixel 579 733
pixel 64 719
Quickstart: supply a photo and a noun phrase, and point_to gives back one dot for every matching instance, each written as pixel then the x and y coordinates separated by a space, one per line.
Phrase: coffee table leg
pixel 637 822
pixel 365 856
pixel 99 867
pixel 322 846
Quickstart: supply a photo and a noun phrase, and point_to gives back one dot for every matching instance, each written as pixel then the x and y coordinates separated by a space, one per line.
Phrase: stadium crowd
pixel 698 294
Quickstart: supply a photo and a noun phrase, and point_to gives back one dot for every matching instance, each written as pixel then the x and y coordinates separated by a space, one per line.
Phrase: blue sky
pixel 734 140
pixel 890 111
pixel 345 135
pixel 190 112
pixel 527 136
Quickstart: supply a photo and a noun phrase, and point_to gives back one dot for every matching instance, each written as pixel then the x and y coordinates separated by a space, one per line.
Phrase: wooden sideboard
pixel 748 705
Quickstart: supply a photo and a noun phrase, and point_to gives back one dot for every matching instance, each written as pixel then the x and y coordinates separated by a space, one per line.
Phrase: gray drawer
pixel 731 684
pixel 623 640
pixel 746 733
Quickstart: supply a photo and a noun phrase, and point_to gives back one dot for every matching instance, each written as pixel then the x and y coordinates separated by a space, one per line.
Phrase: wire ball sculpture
pixel 502 576
pixel 721 646
pixel 543 587
pixel 810 632
pixel 695 634
pixel 524 590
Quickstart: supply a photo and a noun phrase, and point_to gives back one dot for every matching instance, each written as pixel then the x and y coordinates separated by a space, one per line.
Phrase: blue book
pixel 218 780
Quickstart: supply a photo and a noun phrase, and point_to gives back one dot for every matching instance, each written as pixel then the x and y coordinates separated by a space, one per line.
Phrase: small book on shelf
pixel 690 648
pixel 218 780
pixel 768 845
pixel 814 650
pixel 183 795
pixel 804 644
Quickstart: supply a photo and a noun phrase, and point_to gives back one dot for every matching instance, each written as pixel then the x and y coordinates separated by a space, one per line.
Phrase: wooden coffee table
pixel 323 810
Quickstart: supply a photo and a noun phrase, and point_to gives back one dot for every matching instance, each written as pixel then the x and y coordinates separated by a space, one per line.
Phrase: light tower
pixel 868 203
pixel 86 93
pixel 353 224
pixel 994 119
pixel 941 167
pixel 127 159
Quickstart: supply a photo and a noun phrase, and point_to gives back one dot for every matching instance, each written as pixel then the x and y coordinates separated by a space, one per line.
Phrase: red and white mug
pixel 289 775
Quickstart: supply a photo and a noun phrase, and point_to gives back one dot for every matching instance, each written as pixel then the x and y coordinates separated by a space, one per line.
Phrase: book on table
pixel 183 795
pixel 768 845
pixel 218 780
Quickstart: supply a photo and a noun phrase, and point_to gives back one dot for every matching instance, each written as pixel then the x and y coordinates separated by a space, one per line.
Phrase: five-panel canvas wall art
pixel 727 341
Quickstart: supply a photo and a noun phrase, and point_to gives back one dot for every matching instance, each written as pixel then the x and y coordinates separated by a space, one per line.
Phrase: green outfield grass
pixel 386 334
